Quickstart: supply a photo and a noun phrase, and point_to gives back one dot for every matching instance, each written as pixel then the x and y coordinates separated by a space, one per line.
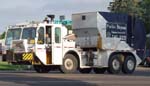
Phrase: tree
pixel 145 5
pixel 2 36
pixel 69 27
pixel 126 6
pixel 118 6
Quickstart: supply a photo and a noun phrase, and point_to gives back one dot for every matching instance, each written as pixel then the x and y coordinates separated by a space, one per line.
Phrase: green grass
pixel 7 66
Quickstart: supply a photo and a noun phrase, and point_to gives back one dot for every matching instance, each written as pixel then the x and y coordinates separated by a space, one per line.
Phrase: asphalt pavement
pixel 141 77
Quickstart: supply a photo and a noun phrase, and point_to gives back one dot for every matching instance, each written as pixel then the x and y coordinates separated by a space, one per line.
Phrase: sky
pixel 18 11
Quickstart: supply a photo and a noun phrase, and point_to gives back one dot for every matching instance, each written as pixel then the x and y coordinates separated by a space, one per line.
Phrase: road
pixel 141 77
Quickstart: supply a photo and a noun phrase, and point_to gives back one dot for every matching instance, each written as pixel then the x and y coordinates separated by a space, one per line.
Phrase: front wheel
pixel 70 64
pixel 129 65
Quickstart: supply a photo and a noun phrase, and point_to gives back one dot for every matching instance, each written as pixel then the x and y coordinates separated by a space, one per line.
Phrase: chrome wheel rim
pixel 68 64
pixel 116 64
pixel 130 64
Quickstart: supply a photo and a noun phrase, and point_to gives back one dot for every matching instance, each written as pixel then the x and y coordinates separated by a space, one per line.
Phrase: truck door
pixel 40 47
pixel 57 46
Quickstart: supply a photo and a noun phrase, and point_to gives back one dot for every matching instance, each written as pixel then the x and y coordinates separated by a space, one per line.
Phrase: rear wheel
pixel 85 70
pixel 70 64
pixel 41 69
pixel 114 65
pixel 99 70
pixel 129 65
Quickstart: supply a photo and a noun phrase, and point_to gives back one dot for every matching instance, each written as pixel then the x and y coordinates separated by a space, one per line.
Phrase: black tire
pixel 41 69
pixel 114 64
pixel 70 64
pixel 129 65
pixel 85 70
pixel 99 70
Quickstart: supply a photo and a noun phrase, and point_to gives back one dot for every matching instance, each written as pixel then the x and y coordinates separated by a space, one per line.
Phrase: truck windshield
pixel 29 33
pixel 12 34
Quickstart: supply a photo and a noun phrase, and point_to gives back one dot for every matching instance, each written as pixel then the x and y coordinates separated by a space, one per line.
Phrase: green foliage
pixel 148 43
pixel 7 66
pixel 69 27
pixel 145 5
pixel 147 25
pixel 2 36
pixel 126 6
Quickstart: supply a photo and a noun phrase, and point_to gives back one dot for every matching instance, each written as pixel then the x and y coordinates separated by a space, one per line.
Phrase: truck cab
pixel 49 43
pixel 48 46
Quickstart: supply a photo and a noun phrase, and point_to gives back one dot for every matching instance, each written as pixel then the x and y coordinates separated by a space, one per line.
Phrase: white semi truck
pixel 103 41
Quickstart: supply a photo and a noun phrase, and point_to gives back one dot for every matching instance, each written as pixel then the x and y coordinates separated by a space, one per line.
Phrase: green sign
pixel 65 22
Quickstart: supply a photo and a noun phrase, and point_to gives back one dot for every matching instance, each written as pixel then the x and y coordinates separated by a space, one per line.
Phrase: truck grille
pixel 18 46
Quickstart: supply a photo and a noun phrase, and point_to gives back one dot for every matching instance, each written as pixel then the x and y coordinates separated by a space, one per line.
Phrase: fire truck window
pixel 29 33
pixel 57 35
pixel 48 35
pixel 12 34
pixel 41 35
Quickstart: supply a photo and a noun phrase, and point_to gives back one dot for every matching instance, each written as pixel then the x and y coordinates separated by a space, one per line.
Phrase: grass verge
pixel 7 66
